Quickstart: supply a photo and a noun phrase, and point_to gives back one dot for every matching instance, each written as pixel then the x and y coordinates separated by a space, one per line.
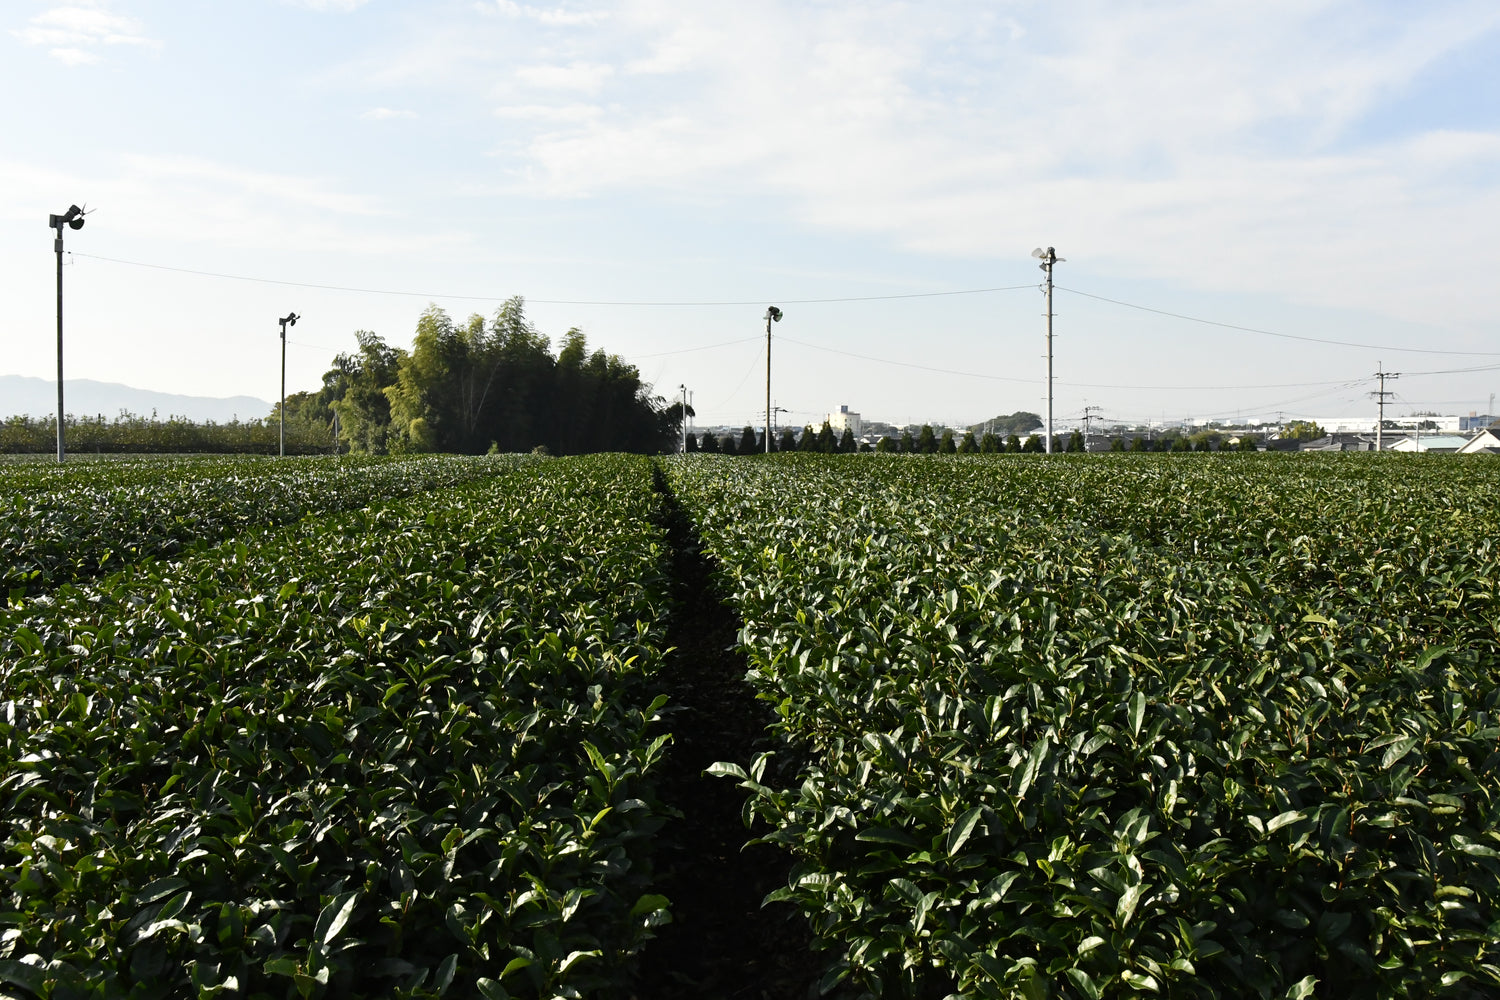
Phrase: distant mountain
pixel 37 397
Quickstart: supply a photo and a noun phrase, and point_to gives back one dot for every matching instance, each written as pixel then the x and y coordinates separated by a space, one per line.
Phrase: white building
pixel 844 420
pixel 1487 441
pixel 1447 443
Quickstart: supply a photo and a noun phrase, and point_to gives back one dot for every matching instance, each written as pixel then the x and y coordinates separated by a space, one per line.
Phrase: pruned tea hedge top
pixel 60 523
pixel 1117 728
pixel 403 751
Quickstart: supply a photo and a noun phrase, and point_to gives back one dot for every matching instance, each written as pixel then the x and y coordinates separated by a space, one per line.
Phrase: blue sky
pixel 1316 170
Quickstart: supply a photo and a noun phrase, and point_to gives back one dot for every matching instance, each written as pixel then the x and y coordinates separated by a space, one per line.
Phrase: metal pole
pixel 58 246
pixel 1380 405
pixel 684 418
pixel 1051 256
pixel 768 382
pixel 283 389
pixel 773 315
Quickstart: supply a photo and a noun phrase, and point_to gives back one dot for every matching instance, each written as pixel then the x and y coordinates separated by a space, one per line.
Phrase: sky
pixel 1257 206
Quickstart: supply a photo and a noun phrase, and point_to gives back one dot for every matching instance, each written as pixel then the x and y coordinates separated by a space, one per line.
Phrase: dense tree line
pixel 493 385
pixel 928 441
pixel 129 433
pixel 468 388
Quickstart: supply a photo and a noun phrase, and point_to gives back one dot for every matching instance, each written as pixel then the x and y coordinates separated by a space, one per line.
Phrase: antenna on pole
pixel 1380 396
pixel 290 319
pixel 773 315
pixel 73 219
pixel 1048 257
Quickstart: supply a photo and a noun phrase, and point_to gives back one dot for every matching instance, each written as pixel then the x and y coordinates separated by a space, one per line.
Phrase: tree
pixel 1247 442
pixel 886 445
pixel 495 384
pixel 847 444
pixel 1181 444
pixel 989 444
pixel 1075 441
pixel 826 442
pixel 1303 430
pixel 1013 443
pixel 1033 445
pixel 710 443
pixel 749 445
pixel 968 446
pixel 1057 443
pixel 788 440
pixel 946 445
pixel 691 444
pixel 908 443
pixel 808 441
pixel 1017 423
pixel 927 441
pixel 1206 440
pixel 362 406
pixel 728 445
pixel 1117 444
pixel 1139 444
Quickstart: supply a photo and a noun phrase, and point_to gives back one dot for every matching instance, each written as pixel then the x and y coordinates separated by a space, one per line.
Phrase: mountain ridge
pixel 25 395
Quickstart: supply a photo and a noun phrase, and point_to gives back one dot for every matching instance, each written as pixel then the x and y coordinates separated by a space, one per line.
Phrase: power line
pixel 689 350
pixel 908 364
pixel 1273 333
pixel 546 302
pixel 1077 385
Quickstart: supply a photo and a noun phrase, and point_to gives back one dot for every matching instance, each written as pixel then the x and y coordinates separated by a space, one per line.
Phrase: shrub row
pixel 1114 727
pixel 404 751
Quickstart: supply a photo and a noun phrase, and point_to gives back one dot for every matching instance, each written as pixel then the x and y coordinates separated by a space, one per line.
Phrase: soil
pixel 721 943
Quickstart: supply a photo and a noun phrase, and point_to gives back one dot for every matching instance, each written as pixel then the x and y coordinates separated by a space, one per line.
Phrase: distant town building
pixel 845 420
pixel 1438 443
pixel 1486 442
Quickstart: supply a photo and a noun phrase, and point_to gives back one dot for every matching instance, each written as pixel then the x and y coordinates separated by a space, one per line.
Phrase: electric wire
pixel 853 354
pixel 1273 333
pixel 547 302
pixel 1063 382
pixel 754 364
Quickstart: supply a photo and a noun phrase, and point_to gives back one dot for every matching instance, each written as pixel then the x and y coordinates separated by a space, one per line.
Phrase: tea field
pixel 1126 728
pixel 1080 726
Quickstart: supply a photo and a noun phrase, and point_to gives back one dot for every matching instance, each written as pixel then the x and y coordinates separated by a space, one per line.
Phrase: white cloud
pixel 336 6
pixel 73 57
pixel 385 114
pixel 1214 143
pixel 584 77
pixel 556 114
pixel 557 16
pixel 73 34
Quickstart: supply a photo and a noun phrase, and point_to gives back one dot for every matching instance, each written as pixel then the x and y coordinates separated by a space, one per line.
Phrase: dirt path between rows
pixel 721 945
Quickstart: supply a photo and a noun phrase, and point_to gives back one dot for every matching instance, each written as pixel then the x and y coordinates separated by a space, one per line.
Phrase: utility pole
pixel 775 410
pixel 1088 414
pixel 684 418
pixel 773 315
pixel 1048 258
pixel 73 219
pixel 1380 396
pixel 289 318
